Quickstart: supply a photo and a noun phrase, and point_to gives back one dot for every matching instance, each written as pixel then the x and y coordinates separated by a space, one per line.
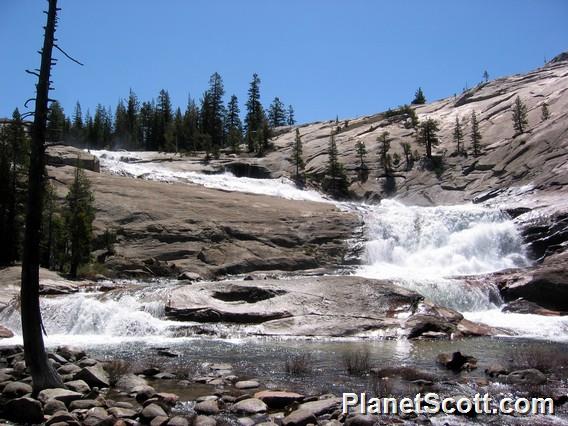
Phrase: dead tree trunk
pixel 43 374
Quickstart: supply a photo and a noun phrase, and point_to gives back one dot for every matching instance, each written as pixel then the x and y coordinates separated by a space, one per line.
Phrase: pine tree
pixel 458 135
pixel 407 151
pixel 163 116
pixel 147 126
pixel 214 112
pixel 419 97
pixel 78 117
pixel 544 112
pixel 53 245
pixel 120 134
pixel 276 113
pixel 77 132
pixel 79 215
pixel 335 181
pixel 55 123
pixel 297 159
pixel 14 151
pixel 233 125
pixel 520 120
pixel 486 76
pixel 191 126
pixel 361 150
pixel 384 141
pixel 475 135
pixel 255 113
pixel 428 135
pixel 133 139
pixel 291 120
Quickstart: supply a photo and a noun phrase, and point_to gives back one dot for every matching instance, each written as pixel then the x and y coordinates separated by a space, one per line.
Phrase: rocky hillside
pixel 538 158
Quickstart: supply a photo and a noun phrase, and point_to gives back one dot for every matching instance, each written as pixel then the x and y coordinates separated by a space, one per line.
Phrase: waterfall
pixel 129 164
pixel 422 248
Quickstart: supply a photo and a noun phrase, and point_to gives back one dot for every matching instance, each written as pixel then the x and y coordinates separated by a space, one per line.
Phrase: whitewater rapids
pixel 426 249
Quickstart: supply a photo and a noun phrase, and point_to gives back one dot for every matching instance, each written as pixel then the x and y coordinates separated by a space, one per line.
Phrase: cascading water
pixel 423 247
pixel 136 166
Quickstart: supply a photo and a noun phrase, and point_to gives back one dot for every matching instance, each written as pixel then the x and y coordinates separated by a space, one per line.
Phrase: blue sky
pixel 326 57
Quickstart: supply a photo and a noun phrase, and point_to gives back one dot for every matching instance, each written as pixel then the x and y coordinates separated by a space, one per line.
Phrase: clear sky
pixel 326 57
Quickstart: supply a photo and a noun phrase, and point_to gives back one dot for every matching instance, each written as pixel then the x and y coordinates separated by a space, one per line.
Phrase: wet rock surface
pixel 316 306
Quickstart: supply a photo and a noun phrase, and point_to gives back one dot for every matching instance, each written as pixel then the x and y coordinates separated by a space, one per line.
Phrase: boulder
pixel 68 369
pixel 159 421
pixel 247 384
pixel 362 420
pixel 278 399
pixel 178 421
pixel 70 353
pixel 143 393
pixel 63 417
pixel 249 406
pixel 64 395
pixel 78 386
pixel 122 412
pixel 16 389
pixel 94 376
pixel 24 410
pixel 51 406
pixel 129 382
pixel 204 421
pixel 152 411
pixel 530 376
pixel 299 418
pixel 322 406
pixel 207 407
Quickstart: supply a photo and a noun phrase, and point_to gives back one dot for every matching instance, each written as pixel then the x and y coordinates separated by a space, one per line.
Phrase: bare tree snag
pixel 43 374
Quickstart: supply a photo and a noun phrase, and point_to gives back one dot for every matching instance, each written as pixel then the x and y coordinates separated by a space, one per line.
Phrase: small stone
pixel 249 406
pixel 84 404
pixel 78 386
pixel 278 399
pixel 362 420
pixel 52 406
pixel 151 371
pixel 208 407
pixel 61 417
pixel 178 421
pixel 170 399
pixel 122 412
pixel 159 421
pixel 151 411
pixel 87 362
pixel 16 389
pixel 246 421
pixel 68 369
pixel 247 384
pixel 143 393
pixel 204 421
pixel 299 418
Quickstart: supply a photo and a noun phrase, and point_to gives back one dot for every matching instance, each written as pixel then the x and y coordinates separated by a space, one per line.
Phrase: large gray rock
pixel 78 386
pixel 16 389
pixel 530 376
pixel 207 407
pixel 151 411
pixel 64 395
pixel 94 376
pixel 249 406
pixel 314 306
